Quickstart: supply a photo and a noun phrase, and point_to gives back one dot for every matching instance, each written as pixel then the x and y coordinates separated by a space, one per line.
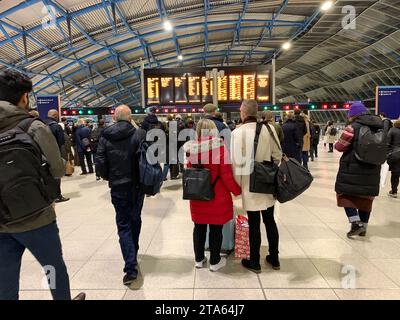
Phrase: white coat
pixel 242 156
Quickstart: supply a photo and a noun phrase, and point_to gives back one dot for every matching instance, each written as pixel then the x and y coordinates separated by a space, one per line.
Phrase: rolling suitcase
pixel 228 233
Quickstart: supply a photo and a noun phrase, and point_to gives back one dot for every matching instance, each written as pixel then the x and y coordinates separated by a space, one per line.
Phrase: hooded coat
pixel 356 178
pixel 10 117
pixel 116 158
pixel 212 153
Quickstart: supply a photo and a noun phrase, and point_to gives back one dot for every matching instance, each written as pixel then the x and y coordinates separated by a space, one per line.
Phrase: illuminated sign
pixel 263 87
pixel 249 86
pixel 223 89
pixel 194 89
pixel 235 88
pixel 153 95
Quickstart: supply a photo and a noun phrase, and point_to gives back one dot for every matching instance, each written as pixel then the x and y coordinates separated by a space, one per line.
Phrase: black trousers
pixel 255 233
pixel 215 240
pixel 331 147
pixel 395 181
pixel 88 157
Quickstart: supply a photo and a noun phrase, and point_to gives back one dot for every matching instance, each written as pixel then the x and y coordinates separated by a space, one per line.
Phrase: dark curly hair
pixel 13 85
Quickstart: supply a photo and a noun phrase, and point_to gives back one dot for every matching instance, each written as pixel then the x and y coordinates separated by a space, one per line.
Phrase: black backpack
pixel 26 185
pixel 197 184
pixel 372 146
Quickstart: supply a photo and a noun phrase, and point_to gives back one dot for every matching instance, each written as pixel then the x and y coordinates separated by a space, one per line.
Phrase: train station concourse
pixel 191 150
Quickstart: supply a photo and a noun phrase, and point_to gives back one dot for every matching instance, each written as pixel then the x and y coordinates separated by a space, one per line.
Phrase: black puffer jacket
pixel 394 143
pixel 356 178
pixel 116 157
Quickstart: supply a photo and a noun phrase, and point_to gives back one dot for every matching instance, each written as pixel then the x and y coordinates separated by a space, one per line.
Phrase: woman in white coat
pixel 256 203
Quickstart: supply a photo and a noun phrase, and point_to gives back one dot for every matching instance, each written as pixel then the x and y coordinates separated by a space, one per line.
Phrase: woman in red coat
pixel 210 151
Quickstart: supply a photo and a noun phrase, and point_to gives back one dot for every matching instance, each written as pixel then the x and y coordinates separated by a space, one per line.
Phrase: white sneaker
pixel 219 265
pixel 200 264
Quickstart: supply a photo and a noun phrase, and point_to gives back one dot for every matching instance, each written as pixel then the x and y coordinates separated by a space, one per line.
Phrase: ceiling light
pixel 180 57
pixel 167 25
pixel 326 5
pixel 286 45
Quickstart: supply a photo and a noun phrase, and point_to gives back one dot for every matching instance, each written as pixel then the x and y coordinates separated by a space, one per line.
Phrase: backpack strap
pixel 25 124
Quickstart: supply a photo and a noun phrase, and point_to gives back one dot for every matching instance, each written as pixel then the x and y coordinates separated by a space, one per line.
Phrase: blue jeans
pixel 128 207
pixel 45 245
pixel 165 171
pixel 355 215
pixel 304 156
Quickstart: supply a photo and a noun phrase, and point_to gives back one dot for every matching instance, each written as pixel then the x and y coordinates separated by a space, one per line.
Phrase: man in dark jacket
pixel 291 145
pixel 94 142
pixel 210 113
pixel 58 133
pixel 315 131
pixel 151 122
pixel 82 139
pixel 118 164
pixel 394 167
pixel 39 233
pixel 301 128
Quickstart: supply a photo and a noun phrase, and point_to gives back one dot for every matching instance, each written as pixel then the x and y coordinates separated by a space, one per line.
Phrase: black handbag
pixel 292 179
pixel 263 176
pixel 197 184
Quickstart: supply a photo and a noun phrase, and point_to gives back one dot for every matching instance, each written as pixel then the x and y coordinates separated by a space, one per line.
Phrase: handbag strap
pixel 257 137
pixel 273 136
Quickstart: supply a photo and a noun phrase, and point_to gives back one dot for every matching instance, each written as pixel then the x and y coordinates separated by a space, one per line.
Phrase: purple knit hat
pixel 357 109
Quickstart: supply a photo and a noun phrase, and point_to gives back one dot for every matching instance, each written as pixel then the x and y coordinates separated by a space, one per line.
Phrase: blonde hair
pixel 80 121
pixel 206 127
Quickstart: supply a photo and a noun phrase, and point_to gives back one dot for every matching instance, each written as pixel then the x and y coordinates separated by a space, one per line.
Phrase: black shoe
pixel 129 279
pixel 61 199
pixel 356 229
pixel 83 174
pixel 91 172
pixel 274 262
pixel 98 178
pixel 251 266
pixel 81 296
pixel 392 194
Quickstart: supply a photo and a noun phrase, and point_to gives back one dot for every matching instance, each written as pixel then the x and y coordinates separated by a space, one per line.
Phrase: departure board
pixel 153 95
pixel 167 90
pixel 249 86
pixel 207 89
pixel 223 89
pixel 263 87
pixel 181 90
pixel 235 87
pixel 194 89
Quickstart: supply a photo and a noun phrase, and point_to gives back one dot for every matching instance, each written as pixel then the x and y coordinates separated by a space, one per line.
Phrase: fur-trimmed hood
pixel 205 144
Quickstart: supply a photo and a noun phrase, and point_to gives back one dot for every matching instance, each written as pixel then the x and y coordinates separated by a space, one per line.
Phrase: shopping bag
pixel 384 173
pixel 69 168
pixel 242 244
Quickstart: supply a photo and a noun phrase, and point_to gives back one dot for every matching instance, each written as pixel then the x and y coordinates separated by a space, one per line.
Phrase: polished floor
pixel 318 261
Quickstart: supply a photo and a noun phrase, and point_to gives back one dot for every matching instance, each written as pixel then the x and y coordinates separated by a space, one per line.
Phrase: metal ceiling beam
pixel 237 31
pixel 164 16
pixel 267 29
pixel 206 9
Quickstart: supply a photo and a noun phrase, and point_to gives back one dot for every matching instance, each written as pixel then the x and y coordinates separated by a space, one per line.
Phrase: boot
pixel 256 268
pixel 356 229
pixel 364 233
pixel 274 262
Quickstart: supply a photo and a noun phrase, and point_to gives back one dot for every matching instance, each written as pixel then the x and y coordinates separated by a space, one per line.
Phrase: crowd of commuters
pixel 224 148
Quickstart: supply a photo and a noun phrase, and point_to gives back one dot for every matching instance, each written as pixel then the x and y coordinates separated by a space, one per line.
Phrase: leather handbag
pixel 197 184
pixel 69 168
pixel 263 176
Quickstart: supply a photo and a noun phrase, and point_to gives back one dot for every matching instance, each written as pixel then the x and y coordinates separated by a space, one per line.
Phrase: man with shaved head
pixel 117 162
pixel 58 132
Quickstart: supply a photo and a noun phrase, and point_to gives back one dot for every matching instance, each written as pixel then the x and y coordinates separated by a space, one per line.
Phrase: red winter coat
pixel 220 209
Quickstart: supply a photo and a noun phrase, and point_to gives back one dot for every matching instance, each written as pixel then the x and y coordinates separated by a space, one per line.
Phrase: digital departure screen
pixel 235 87
pixel 181 90
pixel 207 89
pixel 249 86
pixel 153 95
pixel 194 89
pixel 263 87
pixel 388 101
pixel 223 89
pixel 194 86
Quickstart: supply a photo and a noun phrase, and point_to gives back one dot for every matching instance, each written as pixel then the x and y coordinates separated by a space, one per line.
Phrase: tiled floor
pixel 318 261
